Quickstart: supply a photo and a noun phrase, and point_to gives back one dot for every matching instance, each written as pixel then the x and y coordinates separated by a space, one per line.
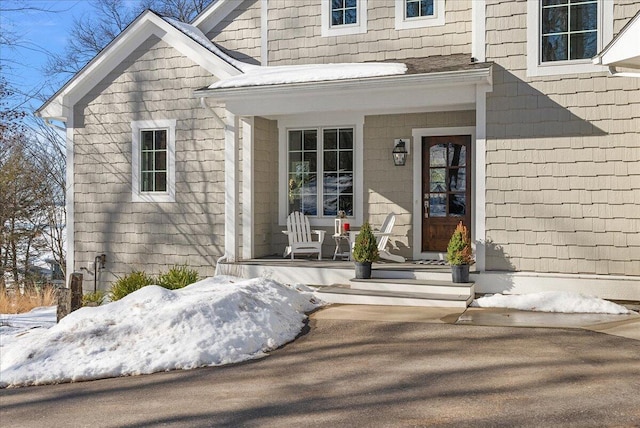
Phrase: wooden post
pixel 76 291
pixel 64 303
pixel 70 299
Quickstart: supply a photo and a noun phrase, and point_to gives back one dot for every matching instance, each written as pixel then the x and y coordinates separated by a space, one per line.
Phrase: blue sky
pixel 39 33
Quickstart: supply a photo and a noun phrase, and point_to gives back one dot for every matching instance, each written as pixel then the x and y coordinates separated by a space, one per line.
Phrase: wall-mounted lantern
pixel 399 153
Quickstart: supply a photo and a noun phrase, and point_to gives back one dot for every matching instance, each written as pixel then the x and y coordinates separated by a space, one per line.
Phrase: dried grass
pixel 12 301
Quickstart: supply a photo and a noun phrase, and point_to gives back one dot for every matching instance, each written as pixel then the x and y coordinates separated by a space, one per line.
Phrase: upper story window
pixel 344 12
pixel 418 8
pixel 569 30
pixel 419 13
pixel 321 171
pixel 343 17
pixel 153 160
pixel 563 35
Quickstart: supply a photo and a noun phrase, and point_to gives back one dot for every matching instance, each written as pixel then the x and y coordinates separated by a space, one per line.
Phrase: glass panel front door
pixel 446 188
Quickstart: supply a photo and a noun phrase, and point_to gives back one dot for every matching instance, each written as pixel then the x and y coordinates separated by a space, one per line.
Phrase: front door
pixel 446 189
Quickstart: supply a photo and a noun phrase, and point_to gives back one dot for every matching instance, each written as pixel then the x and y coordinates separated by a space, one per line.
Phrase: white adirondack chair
pixel 382 236
pixel 300 236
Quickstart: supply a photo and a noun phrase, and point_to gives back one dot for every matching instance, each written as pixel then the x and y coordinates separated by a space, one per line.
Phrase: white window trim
pixel 170 194
pixel 536 68
pixel 436 20
pixel 327 30
pixel 325 121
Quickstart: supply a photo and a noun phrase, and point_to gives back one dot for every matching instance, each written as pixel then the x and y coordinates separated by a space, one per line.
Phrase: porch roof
pixel 431 83
pixel 623 50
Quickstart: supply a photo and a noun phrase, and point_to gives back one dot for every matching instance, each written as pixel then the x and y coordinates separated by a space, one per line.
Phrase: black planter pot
pixel 363 270
pixel 460 273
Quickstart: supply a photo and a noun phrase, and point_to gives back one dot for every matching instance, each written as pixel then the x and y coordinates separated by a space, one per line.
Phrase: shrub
pixel 93 299
pixel 365 249
pixel 459 248
pixel 130 283
pixel 177 277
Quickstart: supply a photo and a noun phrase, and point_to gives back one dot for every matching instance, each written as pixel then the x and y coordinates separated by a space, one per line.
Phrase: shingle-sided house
pixel 188 142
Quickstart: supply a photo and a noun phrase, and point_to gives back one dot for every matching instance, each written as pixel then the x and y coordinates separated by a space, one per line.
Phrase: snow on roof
pixel 198 36
pixel 274 75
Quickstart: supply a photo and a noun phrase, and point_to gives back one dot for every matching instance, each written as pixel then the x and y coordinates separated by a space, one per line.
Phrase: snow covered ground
pixel 216 321
pixel 551 301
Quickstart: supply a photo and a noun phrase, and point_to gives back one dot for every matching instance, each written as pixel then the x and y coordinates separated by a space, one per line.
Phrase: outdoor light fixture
pixel 399 153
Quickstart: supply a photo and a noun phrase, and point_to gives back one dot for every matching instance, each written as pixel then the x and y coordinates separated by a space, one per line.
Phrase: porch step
pixel 413 286
pixel 348 295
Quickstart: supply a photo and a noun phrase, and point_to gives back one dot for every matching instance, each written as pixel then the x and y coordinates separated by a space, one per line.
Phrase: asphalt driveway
pixel 370 374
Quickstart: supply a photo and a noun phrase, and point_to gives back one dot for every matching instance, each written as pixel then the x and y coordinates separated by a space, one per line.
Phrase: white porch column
pixel 231 186
pixel 481 176
pixel 247 188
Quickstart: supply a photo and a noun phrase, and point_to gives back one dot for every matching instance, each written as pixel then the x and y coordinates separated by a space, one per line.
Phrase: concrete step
pixel 413 286
pixel 347 295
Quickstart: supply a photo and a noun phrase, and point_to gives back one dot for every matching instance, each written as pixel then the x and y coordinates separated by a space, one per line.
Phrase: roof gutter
pixel 446 78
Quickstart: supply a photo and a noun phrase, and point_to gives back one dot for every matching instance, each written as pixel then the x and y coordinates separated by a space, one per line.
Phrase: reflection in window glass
pixel 153 161
pixel 344 12
pixel 418 8
pixel 569 30
pixel 303 189
pixel 320 170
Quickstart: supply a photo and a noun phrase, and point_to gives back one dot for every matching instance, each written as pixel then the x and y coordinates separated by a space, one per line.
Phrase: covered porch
pixel 268 125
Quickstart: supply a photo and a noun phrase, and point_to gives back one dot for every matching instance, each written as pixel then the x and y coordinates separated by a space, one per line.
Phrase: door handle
pixel 426 208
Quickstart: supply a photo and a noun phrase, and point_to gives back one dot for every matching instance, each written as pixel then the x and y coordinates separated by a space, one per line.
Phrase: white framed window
pixel 153 146
pixel 320 171
pixel 563 35
pixel 320 166
pixel 419 13
pixel 343 17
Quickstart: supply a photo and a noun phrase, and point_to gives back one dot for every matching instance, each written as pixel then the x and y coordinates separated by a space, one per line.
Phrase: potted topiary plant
pixel 459 254
pixel 365 251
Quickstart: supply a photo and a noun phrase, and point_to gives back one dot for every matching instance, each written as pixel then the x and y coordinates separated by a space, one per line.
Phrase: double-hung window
pixel 321 171
pixel 153 161
pixel 569 30
pixel 419 13
pixel 343 17
pixel 563 35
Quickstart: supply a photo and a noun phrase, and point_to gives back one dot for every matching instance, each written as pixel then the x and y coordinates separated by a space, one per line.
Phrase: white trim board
pixel 603 286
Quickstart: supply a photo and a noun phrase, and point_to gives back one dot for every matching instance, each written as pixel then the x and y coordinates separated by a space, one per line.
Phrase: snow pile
pixel 309 73
pixel 15 325
pixel 216 321
pixel 552 301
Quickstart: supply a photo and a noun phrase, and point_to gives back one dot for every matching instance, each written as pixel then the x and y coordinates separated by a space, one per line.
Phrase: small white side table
pixel 339 238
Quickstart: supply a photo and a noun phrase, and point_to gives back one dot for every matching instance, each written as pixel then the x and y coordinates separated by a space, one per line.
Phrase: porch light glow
pixel 399 154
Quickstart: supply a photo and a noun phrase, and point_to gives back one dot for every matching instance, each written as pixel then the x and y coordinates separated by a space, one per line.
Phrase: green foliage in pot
pixel 365 249
pixel 459 248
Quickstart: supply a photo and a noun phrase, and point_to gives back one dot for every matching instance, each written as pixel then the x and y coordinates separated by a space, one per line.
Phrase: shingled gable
pixel 147 24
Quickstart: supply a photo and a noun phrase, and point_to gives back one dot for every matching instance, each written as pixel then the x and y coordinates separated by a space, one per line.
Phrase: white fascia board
pixel 214 14
pixel 417 92
pixel 146 25
pixel 624 49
